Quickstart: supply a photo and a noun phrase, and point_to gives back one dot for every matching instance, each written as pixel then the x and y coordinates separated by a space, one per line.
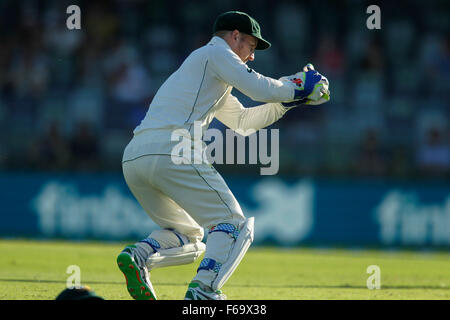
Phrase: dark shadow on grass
pixel 291 286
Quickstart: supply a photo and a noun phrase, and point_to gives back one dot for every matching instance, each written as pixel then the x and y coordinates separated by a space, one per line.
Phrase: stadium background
pixel 371 167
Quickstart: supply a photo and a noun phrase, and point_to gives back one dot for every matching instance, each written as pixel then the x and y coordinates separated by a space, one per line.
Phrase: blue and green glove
pixel 310 87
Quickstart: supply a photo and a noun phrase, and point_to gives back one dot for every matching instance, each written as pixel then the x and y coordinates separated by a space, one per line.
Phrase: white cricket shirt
pixel 201 90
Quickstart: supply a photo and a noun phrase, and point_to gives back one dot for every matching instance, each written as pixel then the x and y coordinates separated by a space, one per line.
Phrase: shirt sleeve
pixel 246 121
pixel 229 68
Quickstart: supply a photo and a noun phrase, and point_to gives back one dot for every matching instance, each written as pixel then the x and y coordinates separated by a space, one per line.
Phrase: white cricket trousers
pixel 183 197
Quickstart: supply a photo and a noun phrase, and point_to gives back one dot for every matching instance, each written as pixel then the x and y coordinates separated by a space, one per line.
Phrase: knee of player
pixel 169 238
pixel 231 227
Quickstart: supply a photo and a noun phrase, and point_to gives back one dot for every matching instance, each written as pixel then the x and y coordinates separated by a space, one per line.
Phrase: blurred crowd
pixel 69 99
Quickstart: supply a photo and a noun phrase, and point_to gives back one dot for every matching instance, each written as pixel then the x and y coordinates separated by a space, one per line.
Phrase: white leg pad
pixel 176 256
pixel 240 247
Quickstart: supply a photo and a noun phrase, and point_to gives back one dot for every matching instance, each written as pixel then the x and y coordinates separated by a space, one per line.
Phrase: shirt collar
pixel 220 41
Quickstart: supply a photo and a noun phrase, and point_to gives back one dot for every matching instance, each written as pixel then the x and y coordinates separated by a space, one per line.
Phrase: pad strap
pixel 210 264
pixel 152 243
pixel 227 228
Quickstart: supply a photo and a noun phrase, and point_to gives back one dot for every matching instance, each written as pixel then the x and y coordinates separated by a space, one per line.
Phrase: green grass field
pixel 36 270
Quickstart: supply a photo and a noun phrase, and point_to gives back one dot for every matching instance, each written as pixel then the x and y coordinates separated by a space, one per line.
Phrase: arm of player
pixel 229 68
pixel 246 121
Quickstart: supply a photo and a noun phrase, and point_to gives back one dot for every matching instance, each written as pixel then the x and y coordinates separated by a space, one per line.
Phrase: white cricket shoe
pixel 136 274
pixel 195 292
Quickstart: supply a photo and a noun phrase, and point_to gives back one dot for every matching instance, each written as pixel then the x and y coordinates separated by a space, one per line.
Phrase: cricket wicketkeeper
pixel 185 199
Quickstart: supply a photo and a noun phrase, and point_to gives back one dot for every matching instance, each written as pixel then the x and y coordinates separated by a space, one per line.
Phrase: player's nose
pixel 251 57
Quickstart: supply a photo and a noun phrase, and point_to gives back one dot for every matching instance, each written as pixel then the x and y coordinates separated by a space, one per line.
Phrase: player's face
pixel 245 47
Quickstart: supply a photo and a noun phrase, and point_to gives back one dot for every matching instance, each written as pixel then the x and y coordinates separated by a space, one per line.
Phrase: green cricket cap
pixel 82 293
pixel 235 20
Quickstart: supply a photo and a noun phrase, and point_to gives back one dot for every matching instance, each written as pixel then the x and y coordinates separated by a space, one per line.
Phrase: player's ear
pixel 235 35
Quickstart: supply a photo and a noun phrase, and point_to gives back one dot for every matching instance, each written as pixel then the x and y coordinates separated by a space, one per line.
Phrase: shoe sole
pixel 136 286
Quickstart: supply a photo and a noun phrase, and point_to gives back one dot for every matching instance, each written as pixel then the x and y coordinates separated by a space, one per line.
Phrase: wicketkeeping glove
pixel 311 88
